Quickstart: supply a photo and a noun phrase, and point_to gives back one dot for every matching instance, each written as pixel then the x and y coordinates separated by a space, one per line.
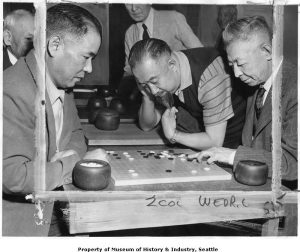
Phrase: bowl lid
pixel 107 112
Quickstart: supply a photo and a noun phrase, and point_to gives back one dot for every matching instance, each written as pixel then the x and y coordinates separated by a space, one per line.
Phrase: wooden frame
pixel 189 210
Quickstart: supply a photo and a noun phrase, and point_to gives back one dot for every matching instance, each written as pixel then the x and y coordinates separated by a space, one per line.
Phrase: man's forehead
pixel 27 19
pixel 239 49
pixel 146 69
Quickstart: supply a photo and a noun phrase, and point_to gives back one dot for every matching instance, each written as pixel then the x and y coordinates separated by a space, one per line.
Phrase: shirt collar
pixel 12 58
pixel 268 83
pixel 185 71
pixel 53 92
pixel 148 22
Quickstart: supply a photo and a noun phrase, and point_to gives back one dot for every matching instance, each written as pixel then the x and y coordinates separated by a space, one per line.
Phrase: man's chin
pixel 250 82
pixel 76 80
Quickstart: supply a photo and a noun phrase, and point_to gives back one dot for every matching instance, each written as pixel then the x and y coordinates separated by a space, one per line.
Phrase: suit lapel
pixel 50 124
pixel 66 120
pixel 265 115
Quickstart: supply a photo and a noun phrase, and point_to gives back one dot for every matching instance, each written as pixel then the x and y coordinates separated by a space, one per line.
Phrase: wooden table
pixel 140 206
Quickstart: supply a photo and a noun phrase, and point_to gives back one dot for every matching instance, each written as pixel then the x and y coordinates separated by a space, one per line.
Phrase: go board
pixel 142 167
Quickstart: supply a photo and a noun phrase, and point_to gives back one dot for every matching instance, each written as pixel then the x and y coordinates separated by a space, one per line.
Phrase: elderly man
pixel 199 84
pixel 249 49
pixel 18 31
pixel 73 39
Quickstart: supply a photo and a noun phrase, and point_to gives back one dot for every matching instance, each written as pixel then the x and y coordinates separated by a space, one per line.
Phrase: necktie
pixel 259 101
pixel 145 32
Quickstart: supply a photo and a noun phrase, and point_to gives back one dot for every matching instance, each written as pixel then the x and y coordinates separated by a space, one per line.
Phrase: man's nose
pixel 154 90
pixel 237 71
pixel 134 7
pixel 88 66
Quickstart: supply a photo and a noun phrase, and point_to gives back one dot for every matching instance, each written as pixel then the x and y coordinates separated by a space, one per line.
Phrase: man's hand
pixel 168 121
pixel 220 154
pixel 146 92
pixel 98 154
pixel 62 154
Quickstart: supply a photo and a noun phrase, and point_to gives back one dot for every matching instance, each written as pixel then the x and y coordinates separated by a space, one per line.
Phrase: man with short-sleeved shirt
pixel 200 86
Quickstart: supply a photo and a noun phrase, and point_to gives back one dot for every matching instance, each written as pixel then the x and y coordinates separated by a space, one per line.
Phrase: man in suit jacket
pixel 18 28
pixel 169 26
pixel 68 57
pixel 248 45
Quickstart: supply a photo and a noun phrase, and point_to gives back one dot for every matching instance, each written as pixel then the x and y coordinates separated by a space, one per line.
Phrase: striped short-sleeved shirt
pixel 214 90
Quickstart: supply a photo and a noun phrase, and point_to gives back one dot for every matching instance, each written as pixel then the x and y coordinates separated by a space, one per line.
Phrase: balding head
pixel 18 30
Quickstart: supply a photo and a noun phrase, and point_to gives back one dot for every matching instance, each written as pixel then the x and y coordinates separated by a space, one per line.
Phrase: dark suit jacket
pixel 19 147
pixel 6 61
pixel 259 148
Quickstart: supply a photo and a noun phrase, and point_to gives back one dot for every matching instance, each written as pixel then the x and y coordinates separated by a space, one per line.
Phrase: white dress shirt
pixel 12 58
pixel 149 23
pixel 56 97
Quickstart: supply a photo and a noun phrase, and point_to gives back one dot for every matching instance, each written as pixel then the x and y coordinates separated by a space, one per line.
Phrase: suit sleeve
pixel 185 33
pixel 19 149
pixel 288 143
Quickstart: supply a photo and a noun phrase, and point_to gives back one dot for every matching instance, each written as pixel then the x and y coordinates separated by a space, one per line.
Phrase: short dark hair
pixel 152 47
pixel 244 28
pixel 70 19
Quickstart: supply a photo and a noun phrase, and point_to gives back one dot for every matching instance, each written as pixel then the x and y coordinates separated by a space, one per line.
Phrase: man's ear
pixel 267 50
pixel 55 45
pixel 7 37
pixel 172 64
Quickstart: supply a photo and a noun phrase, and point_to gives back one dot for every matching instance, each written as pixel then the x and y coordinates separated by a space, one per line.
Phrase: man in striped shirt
pixel 201 89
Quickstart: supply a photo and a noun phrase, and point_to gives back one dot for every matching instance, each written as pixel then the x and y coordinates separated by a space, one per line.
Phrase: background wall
pixel 100 74
pixel 9 7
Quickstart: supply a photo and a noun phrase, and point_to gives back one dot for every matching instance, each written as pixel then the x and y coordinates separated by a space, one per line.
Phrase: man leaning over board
pixel 249 51
pixel 199 85
pixel 73 38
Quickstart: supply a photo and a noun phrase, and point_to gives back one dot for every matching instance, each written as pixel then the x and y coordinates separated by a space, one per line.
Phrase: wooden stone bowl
pixel 91 174
pixel 107 119
pixel 251 172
